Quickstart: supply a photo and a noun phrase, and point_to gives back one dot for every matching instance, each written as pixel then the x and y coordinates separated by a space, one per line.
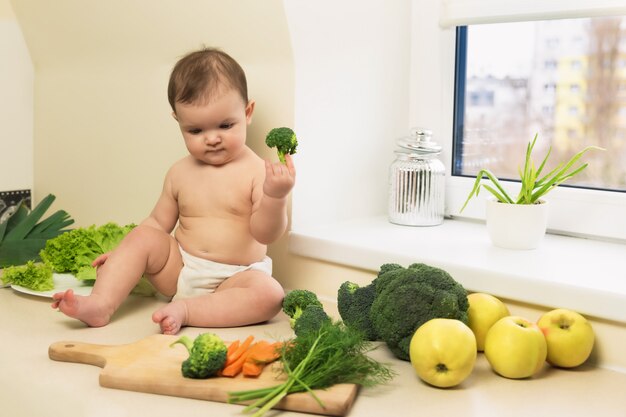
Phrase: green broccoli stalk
pixel 207 355
pixel 284 140
pixel 296 301
pixel 311 320
pixel 407 298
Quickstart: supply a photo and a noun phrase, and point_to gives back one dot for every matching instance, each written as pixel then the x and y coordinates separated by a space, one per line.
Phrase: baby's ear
pixel 174 116
pixel 249 110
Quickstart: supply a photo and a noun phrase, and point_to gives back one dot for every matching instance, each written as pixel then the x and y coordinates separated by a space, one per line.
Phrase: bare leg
pixel 245 298
pixel 144 250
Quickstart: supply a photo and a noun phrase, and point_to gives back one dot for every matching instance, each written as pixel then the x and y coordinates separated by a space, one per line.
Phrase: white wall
pixel 16 105
pixel 352 63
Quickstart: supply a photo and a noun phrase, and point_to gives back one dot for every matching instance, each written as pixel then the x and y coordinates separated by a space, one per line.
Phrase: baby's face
pixel 215 132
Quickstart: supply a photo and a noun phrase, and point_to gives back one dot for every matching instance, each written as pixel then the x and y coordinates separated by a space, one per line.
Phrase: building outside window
pixel 562 79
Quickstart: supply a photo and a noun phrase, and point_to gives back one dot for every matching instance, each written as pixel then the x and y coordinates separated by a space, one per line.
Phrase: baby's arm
pixel 269 220
pixel 164 215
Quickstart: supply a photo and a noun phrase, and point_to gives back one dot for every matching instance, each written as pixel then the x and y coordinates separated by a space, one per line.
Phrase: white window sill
pixel 584 275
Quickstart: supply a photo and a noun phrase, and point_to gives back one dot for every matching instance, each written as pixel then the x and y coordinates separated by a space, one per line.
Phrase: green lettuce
pixel 74 252
pixel 37 277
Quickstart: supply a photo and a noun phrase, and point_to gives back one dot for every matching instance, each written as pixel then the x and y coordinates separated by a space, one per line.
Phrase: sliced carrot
pixel 241 348
pixel 235 368
pixel 260 355
pixel 252 369
pixel 232 348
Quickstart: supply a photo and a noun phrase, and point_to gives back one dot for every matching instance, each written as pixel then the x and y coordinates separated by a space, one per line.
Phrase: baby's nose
pixel 212 139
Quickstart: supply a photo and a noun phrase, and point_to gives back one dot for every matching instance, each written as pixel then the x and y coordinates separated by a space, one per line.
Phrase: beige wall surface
pixel 104 136
pixel 16 105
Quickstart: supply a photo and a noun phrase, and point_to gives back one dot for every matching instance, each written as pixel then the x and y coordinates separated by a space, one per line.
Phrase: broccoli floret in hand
pixel 311 320
pixel 207 355
pixel 284 140
pixel 296 301
pixel 407 298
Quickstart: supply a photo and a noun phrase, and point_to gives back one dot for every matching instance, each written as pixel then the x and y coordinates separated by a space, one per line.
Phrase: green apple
pixel 443 352
pixel 515 347
pixel 569 337
pixel 484 311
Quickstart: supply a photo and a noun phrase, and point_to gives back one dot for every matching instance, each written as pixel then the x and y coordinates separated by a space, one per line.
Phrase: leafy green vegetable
pixel 35 277
pixel 332 355
pixel 73 252
pixel 22 236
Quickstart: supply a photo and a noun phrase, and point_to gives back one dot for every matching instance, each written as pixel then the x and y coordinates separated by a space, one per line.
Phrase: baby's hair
pixel 201 73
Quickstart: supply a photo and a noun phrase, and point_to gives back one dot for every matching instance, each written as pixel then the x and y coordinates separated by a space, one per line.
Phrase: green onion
pixel 22 236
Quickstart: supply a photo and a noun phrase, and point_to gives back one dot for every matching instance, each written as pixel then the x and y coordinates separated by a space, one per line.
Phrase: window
pixel 521 71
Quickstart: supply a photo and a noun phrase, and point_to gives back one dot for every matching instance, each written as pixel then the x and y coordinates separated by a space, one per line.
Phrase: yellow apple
pixel 569 337
pixel 443 352
pixel 484 311
pixel 515 347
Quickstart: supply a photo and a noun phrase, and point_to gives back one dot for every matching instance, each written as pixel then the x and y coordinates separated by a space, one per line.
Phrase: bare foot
pixel 171 317
pixel 88 309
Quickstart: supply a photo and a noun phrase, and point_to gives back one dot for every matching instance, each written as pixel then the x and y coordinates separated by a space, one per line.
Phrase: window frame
pixel 579 212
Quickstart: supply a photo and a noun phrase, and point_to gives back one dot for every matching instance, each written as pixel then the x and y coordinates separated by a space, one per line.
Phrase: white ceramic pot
pixel 516 226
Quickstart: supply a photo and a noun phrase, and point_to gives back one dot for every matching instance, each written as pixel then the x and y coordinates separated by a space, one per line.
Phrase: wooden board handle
pixel 79 352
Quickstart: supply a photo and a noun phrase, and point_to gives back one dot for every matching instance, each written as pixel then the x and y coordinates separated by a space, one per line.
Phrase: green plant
pixel 533 185
pixel 22 235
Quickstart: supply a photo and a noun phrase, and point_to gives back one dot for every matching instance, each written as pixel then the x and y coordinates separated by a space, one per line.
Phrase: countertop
pixel 33 385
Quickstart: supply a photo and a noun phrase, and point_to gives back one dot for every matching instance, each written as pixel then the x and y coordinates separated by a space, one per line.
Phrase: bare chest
pixel 215 192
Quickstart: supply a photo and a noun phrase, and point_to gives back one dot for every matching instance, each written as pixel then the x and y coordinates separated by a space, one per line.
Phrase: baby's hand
pixel 100 260
pixel 279 178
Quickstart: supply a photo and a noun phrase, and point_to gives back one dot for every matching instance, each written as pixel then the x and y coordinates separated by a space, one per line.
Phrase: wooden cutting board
pixel 151 365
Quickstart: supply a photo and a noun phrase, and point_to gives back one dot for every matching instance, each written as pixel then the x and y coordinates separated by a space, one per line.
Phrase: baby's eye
pixel 226 125
pixel 195 131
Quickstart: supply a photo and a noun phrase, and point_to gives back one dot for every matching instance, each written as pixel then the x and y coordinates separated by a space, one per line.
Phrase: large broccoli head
pixel 296 301
pixel 407 298
pixel 284 140
pixel 207 355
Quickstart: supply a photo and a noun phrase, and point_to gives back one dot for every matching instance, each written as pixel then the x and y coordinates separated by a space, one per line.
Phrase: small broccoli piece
pixel 296 301
pixel 284 140
pixel 311 320
pixel 207 355
pixel 407 298
pixel 354 304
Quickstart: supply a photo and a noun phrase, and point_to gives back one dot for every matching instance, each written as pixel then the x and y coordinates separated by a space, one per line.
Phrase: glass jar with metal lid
pixel 417 181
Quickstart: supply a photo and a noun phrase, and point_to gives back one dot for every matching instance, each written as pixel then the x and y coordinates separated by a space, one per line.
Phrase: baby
pixel 225 203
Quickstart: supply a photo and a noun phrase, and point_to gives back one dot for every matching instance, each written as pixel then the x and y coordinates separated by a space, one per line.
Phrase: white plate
pixel 62 282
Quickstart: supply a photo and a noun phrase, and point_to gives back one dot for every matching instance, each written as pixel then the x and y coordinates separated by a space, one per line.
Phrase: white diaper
pixel 201 276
